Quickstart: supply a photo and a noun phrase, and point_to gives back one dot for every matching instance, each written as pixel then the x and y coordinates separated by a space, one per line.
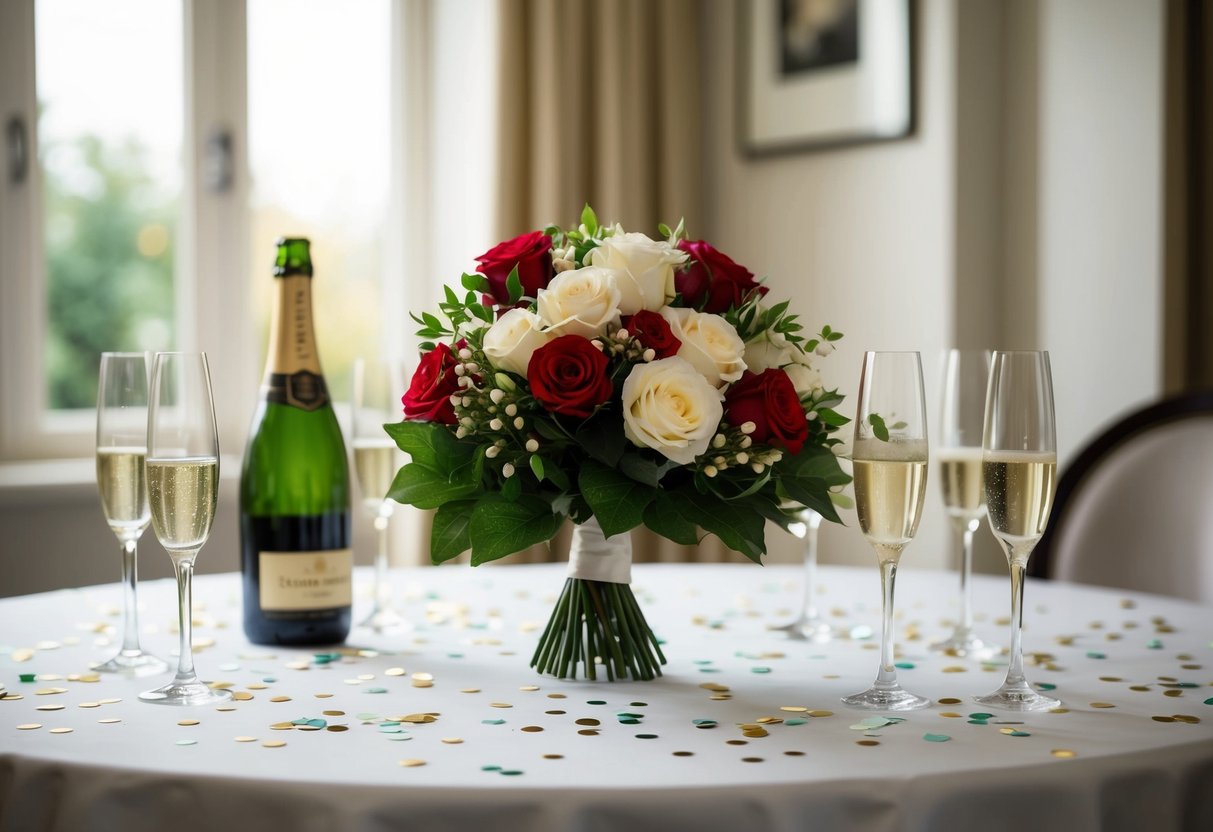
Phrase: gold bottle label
pixel 293 375
pixel 294 581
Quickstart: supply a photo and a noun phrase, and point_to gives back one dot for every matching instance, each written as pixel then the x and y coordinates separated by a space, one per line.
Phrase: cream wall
pixel 860 237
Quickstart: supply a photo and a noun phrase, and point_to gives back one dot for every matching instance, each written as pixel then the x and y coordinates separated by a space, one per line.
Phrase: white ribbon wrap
pixel 595 557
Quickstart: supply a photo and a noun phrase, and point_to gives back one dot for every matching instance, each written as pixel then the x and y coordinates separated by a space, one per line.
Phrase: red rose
pixel 428 398
pixel 569 375
pixel 713 282
pixel 769 400
pixel 531 253
pixel 653 332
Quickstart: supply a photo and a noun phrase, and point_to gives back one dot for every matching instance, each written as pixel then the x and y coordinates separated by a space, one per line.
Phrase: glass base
pixel 809 629
pixel 133 663
pixel 886 698
pixel 185 693
pixel 1014 698
pixel 963 644
pixel 385 618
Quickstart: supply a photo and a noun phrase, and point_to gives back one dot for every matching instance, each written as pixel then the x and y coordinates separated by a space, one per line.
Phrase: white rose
pixel 805 379
pixel 709 342
pixel 763 354
pixel 580 302
pixel 669 406
pixel 645 270
pixel 510 341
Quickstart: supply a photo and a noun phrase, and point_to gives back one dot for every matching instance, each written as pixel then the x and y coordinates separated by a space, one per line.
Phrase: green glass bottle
pixel 294 487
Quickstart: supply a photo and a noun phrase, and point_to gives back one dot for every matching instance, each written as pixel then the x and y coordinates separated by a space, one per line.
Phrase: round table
pixel 744 731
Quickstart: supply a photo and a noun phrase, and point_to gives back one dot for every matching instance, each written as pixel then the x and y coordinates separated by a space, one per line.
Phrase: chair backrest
pixel 1135 507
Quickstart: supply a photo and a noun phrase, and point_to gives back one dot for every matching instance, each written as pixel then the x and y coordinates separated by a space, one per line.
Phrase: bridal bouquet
pixel 615 380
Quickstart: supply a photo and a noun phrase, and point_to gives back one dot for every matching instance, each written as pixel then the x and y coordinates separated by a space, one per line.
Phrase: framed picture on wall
pixel 822 73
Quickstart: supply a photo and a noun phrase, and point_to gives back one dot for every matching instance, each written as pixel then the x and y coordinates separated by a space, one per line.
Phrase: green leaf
pixel 589 219
pixel 513 285
pixel 663 518
pixel 644 470
pixel 812 494
pixel 831 417
pixel 813 463
pixel 537 466
pixel 617 500
pixel 421 486
pixel 499 527
pixel 475 282
pixel 511 489
pixel 602 438
pixel 450 535
pixel 879 430
pixel 737 525
pixel 430 443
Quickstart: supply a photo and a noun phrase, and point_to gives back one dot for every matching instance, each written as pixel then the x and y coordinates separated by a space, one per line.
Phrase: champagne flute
pixel 889 458
pixel 810 625
pixel 965 375
pixel 377 387
pixel 183 484
pixel 121 479
pixel 1019 467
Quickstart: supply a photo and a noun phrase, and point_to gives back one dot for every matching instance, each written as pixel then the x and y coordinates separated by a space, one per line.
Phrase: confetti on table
pixel 187 722
pixel 1064 753
pixel 109 720
pixel 457 740
pixel 29 726
pixel 1102 705
pixel 936 737
pixel 820 714
pixel 273 744
pixel 867 742
pixel 412 763
pixel 949 700
pixel 245 739
pixel 187 742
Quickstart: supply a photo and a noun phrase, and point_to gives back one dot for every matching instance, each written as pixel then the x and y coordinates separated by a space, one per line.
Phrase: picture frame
pixel 816 74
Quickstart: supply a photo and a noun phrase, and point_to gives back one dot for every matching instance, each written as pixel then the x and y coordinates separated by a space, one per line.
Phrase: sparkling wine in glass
pixel 377 390
pixel 122 481
pixel 889 461
pixel 183 486
pixel 1019 469
pixel 810 624
pixel 965 375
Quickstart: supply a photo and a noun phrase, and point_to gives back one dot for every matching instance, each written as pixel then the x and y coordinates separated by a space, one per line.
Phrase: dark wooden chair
pixel 1134 509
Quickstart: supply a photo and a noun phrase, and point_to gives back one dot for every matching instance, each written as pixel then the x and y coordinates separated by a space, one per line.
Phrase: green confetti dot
pixel 936 737
pixel 1018 734
pixel 1209 701
pixel 374 690
pixel 904 665
pixel 703 661
pixel 187 742
pixel 629 715
pixel 978 722
pixel 760 670
pixel 27 677
pixel 1046 686
pixel 1095 654
pixel 398 737
pixel 704 723
pixel 646 736
pixel 390 728
pixel 365 717
pixel 511 772
pixel 795 721
pixel 981 716
pixel 1154 644
pixel 595 701
pixel 317 723
pixel 639 704
pixel 490 768
pixel 454 655
pixel 628 721
pixel 492 722
pixel 269 680
pixel 1186 685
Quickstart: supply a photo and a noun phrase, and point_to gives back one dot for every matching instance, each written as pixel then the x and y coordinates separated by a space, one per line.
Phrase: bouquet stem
pixel 597 621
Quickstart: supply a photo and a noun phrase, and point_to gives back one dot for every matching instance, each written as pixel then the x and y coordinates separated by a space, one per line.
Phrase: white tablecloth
pixel 529 766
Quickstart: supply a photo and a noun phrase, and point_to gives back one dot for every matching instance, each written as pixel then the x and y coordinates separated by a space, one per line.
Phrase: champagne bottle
pixel 294 486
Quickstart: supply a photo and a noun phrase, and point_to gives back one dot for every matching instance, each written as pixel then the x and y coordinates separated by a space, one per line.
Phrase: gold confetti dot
pixel 1059 710
pixel 469 690
pixel 1064 753
pixel 257 686
pixel 1110 679
pixel 736 742
pixel 366 677
pixel 333 713
pixel 755 732
pixel 50 707
pixel 187 722
pixel 949 700
pixel 954 668
pixel 61 730
pixel 950 714
pixel 557 696
pixel 720 697
pixel 867 742
pixel 793 753
pixel 418 719
pixel 714 686
pixel 242 696
pixel 1191 666
pixel 1187 718
pixel 29 726
pixel 108 701
pixel 768 720
pixel 1171 693
pixel 532 729
pixel 588 732
pixel 453 740
pixel 793 709
pixel 245 739
pixel 49 691
pixel 553 756
pixel 820 714
pixel 587 720
pixel 283 726
pixel 221 685
pixel 11 697
pixel 22 655
pixel 529 688
pixel 323 695
pixel 684 754
pixel 1139 688
pixel 297 665
pixel 89 678
pixel 751 759
pixel 273 744
pixel 422 677
pixel 1102 705
pixel 412 763
pixel 89 705
pixel 109 721
pixel 337 729
pixel 1163 718
pixel 394 671
pixel 500 705
pixel 1007 730
pixel 225 709
pixel 280 699
pixel 421 683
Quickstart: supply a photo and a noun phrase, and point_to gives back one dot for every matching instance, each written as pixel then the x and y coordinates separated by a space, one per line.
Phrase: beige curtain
pixel 600 103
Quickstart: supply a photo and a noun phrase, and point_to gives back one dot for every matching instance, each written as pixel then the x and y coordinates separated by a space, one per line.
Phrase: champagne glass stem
pixel 1015 674
pixel 966 583
pixel 887 676
pixel 183 567
pixel 810 573
pixel 381 525
pixel 130 577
